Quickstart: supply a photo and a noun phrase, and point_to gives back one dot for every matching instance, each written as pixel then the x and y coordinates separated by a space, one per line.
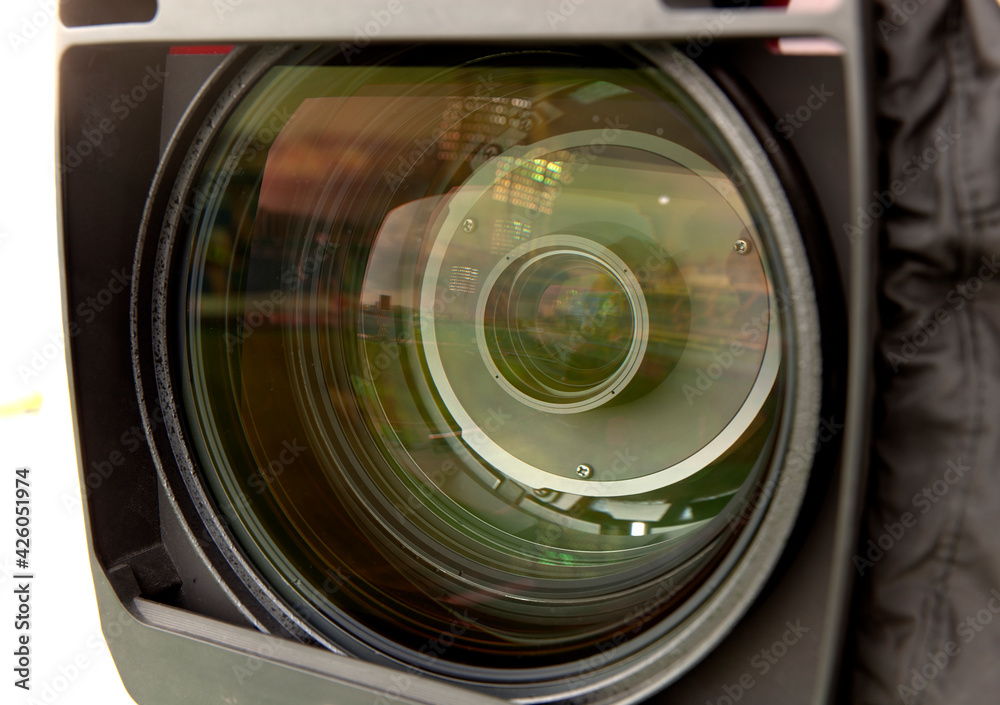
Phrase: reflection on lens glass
pixel 565 319
pixel 475 351
pixel 558 323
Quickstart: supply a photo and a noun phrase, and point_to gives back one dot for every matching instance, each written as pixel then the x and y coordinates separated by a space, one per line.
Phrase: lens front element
pixel 491 351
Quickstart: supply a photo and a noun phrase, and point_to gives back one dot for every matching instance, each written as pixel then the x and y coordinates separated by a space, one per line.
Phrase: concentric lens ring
pixel 479 440
pixel 511 275
pixel 392 601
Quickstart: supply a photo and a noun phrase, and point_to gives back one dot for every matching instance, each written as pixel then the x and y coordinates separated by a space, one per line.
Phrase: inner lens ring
pixel 528 294
pixel 522 258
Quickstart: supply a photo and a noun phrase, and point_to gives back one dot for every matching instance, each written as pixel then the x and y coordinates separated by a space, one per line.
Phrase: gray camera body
pixel 188 615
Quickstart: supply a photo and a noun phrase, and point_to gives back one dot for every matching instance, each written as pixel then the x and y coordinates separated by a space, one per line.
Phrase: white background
pixel 70 662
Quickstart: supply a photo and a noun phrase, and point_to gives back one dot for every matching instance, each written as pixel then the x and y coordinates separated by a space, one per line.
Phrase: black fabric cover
pixel 929 627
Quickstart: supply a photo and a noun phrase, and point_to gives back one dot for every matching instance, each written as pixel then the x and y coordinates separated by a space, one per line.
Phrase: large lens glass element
pixel 483 359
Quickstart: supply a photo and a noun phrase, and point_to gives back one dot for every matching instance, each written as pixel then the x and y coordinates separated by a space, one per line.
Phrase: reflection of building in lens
pixel 532 184
pixel 508 234
pixel 724 297
pixel 380 321
pixel 482 125
pixel 463 279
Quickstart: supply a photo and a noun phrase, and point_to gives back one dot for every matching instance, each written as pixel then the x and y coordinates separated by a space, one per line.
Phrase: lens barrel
pixel 485 363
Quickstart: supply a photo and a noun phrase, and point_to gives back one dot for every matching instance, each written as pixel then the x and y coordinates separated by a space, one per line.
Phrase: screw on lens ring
pixel 462 202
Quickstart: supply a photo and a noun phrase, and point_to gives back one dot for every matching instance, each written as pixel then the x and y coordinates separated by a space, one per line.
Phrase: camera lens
pixel 565 319
pixel 482 357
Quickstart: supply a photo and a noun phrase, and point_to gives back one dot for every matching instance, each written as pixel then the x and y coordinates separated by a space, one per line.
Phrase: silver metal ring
pixel 616 267
pixel 475 437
